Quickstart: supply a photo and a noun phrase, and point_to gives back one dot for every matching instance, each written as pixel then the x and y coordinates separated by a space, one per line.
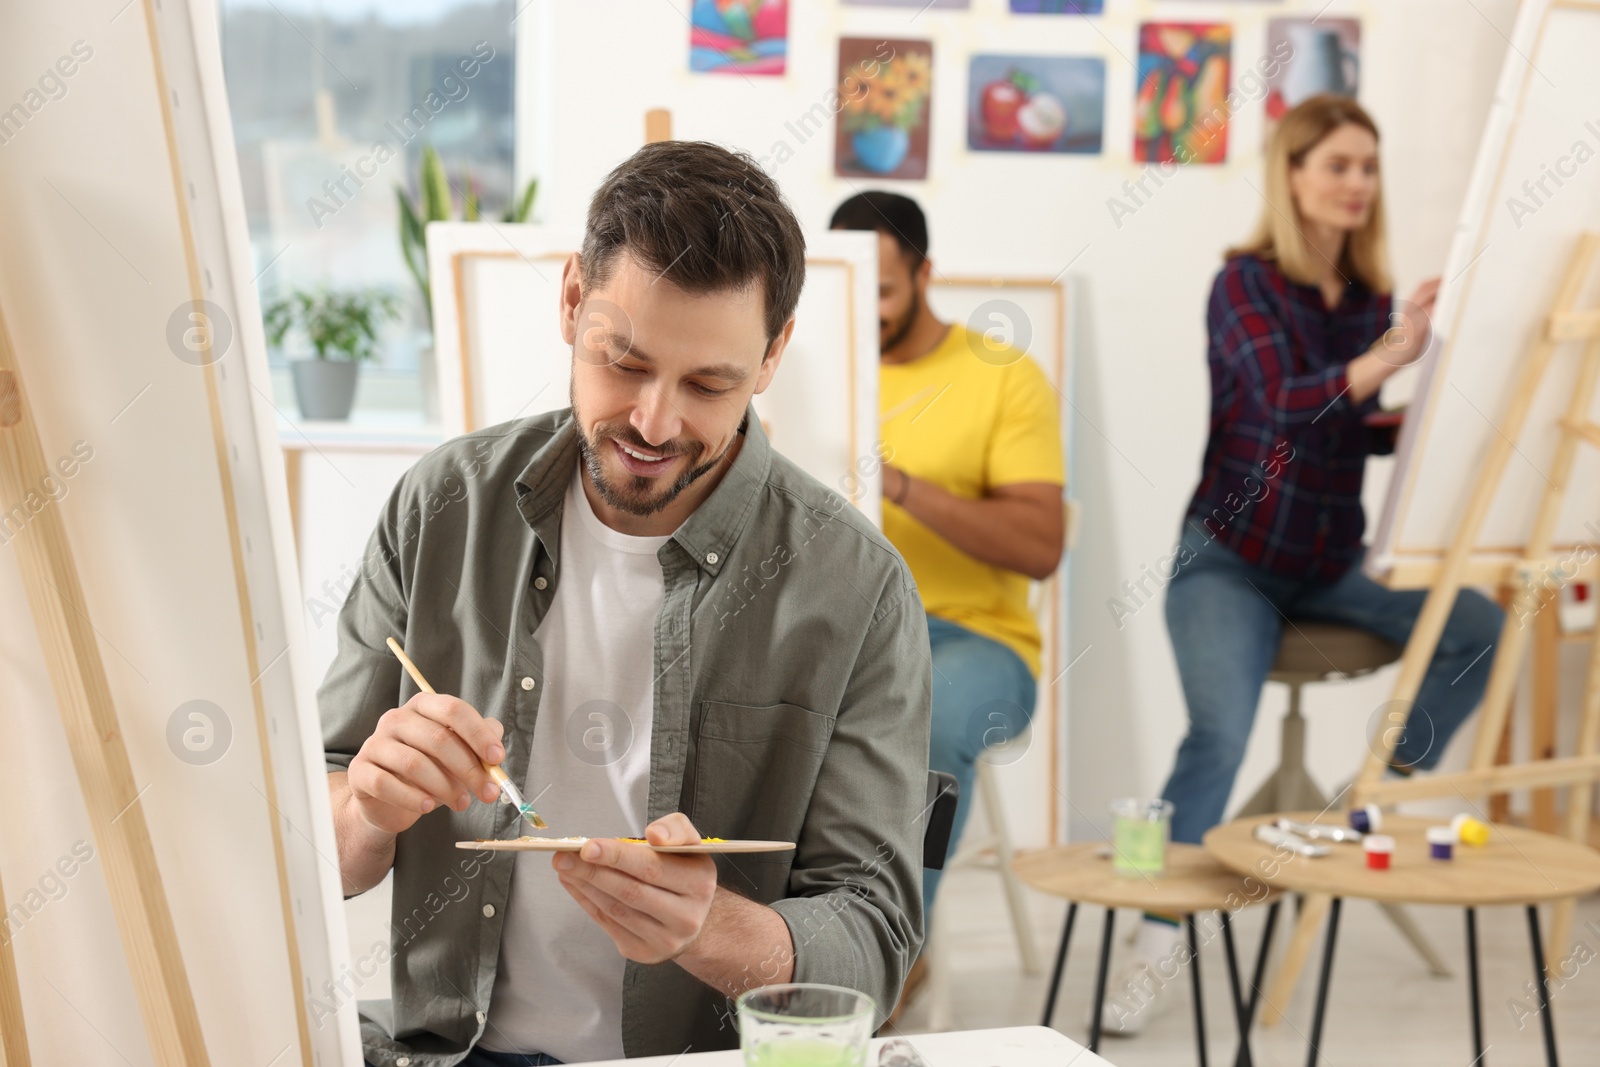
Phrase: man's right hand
pixel 429 752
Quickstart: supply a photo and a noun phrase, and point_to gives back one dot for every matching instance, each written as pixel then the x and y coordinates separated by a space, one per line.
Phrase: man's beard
pixel 632 494
pixel 903 328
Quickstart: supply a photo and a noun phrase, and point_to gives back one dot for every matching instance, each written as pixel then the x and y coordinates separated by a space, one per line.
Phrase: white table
pixel 1020 1046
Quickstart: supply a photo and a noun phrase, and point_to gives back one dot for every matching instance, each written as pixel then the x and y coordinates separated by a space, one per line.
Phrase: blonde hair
pixel 1278 236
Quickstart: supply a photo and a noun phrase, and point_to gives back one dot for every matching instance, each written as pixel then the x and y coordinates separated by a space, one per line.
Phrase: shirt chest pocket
pixel 755 768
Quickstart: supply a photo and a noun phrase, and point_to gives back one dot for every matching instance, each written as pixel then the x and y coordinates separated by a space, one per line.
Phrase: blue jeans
pixel 983 696
pixel 482 1057
pixel 1225 616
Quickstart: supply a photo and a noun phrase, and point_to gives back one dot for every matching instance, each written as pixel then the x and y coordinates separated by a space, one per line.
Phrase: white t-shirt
pixel 558 989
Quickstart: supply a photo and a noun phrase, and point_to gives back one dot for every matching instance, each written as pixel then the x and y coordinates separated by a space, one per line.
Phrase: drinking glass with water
pixel 805 1025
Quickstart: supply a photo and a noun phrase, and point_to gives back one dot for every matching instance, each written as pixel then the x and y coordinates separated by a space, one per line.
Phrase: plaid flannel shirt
pixel 1280 483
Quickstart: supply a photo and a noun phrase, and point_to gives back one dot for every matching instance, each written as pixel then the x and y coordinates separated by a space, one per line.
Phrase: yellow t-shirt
pixel 968 425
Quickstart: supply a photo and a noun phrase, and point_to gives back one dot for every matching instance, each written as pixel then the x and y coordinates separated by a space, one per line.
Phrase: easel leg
pixel 13 1033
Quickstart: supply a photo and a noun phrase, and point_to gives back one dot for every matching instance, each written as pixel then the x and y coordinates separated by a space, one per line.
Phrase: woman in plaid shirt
pixel 1303 332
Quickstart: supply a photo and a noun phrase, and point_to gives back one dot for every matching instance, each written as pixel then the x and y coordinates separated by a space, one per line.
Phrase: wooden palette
pixel 573 844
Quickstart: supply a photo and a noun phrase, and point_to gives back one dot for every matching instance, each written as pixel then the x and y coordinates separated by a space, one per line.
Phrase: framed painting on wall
pixel 1181 111
pixel 1036 104
pixel 885 89
pixel 739 36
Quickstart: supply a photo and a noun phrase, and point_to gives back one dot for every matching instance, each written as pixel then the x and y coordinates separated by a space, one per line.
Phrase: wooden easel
pixel 94 735
pixel 1566 323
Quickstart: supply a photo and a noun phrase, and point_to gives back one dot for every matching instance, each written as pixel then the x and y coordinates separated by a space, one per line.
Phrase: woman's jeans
pixel 1225 617
pixel 983 696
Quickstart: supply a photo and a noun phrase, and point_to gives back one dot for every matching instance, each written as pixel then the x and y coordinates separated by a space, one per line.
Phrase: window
pixel 333 102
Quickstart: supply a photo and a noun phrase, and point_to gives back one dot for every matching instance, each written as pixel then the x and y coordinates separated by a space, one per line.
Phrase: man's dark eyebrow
pixel 730 372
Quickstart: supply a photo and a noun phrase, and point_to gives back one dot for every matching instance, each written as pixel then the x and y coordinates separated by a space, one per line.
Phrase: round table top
pixel 1517 866
pixel 1192 882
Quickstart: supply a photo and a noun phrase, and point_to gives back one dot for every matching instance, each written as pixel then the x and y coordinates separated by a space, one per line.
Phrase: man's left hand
pixel 653 904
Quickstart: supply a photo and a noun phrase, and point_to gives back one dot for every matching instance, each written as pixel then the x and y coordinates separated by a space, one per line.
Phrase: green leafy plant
pixel 434 205
pixel 339 325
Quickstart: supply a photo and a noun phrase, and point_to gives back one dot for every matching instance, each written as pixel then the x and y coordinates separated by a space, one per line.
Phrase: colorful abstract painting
pixel 1036 104
pixel 885 90
pixel 1181 111
pixel 739 36
pixel 1306 57
pixel 1057 7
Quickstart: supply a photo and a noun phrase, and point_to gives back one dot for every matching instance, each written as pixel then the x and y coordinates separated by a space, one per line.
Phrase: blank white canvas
pixel 500 354
pixel 93 274
pixel 1506 262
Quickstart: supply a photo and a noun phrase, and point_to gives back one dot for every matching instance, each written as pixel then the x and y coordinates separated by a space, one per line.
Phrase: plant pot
pixel 324 388
pixel 881 150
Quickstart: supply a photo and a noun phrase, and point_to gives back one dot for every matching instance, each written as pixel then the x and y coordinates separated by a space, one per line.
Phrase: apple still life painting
pixel 1036 104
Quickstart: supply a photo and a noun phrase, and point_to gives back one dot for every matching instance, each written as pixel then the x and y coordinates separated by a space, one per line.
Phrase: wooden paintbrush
pixel 508 790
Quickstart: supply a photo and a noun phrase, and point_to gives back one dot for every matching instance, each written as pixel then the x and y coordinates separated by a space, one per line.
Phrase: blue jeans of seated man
pixel 482 1057
pixel 1225 617
pixel 983 696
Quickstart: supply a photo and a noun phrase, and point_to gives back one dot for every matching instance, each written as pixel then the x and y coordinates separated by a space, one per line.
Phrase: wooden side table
pixel 1517 866
pixel 1193 882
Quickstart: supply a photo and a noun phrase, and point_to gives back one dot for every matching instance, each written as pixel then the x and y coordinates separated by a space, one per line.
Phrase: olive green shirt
pixel 791 703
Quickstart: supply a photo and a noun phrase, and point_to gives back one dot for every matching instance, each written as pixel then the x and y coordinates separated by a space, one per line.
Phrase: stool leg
pixel 1322 983
pixel 1473 996
pixel 1243 1057
pixel 1194 980
pixel 1100 980
pixel 1061 963
pixel 1543 980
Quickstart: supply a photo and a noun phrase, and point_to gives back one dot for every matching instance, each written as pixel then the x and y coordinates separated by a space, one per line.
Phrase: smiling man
pixel 567 580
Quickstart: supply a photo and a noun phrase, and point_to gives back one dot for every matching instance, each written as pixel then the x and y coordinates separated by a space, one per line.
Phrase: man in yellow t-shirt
pixel 972 494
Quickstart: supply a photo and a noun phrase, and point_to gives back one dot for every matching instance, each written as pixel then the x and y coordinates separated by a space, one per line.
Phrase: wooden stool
pixel 1192 882
pixel 1516 867
pixel 1311 652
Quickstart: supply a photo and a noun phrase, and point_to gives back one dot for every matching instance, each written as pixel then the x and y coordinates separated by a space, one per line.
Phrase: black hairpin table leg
pixel 1194 980
pixel 1543 982
pixel 1061 963
pixel 1100 980
pixel 1474 995
pixel 1242 1058
pixel 1322 983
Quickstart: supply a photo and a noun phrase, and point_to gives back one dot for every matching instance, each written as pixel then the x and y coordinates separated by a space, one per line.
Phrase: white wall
pixel 1429 68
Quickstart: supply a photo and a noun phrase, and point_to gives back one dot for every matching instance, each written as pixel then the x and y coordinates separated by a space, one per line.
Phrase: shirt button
pixel 488 911
pixel 527 683
pixel 482 1018
pixel 540 583
pixel 711 557
pixel 403 1061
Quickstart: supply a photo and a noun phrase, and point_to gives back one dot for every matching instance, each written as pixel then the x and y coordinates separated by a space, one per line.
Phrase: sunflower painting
pixel 884 95
pixel 739 36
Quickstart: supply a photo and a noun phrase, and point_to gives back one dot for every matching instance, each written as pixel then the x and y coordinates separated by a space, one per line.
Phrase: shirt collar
pixel 707 536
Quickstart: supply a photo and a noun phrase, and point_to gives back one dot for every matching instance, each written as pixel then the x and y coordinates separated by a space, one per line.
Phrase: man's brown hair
pixel 705 218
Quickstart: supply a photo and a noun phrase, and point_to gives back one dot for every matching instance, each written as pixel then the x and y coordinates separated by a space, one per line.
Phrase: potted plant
pixel 434 205
pixel 342 328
